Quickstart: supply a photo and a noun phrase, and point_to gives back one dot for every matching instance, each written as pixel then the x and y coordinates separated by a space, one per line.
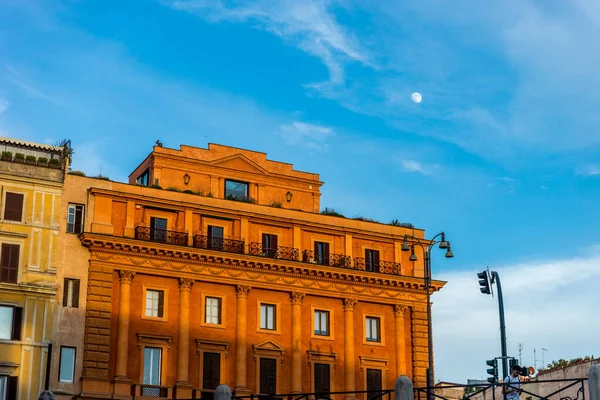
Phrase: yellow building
pixel 31 180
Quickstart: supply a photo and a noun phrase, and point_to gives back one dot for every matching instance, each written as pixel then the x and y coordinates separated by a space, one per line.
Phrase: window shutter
pixel 13 206
pixel 17 323
pixel 219 308
pixel 325 253
pixel 318 381
pixel 13 384
pixel 274 243
pixel 76 293
pixel 263 376
pixel 375 260
pixel 9 263
pixel 161 303
pixel 78 219
pixel 326 380
pixel 65 292
pixel 265 242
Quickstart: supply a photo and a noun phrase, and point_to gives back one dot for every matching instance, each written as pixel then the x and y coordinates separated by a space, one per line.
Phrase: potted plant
pixel 54 163
pixel 6 156
pixel 30 160
pixel 42 161
pixel 20 157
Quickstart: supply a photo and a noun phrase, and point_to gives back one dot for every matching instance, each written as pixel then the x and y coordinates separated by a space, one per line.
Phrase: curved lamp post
pixel 427 246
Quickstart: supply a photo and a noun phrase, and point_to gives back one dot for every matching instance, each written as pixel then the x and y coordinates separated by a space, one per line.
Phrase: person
pixel 46 395
pixel 512 384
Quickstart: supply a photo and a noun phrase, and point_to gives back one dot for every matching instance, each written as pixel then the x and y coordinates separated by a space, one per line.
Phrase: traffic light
pixel 484 282
pixel 492 371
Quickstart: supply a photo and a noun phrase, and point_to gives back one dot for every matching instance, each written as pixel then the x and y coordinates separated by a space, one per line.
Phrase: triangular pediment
pixel 268 345
pixel 239 162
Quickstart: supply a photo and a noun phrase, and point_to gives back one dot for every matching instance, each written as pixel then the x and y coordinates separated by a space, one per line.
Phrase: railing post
pixel 594 382
pixel 403 389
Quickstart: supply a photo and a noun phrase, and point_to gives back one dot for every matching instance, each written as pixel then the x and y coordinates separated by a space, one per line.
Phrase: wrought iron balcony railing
pixel 333 260
pixel 152 391
pixel 384 267
pixel 280 252
pixel 161 235
pixel 219 244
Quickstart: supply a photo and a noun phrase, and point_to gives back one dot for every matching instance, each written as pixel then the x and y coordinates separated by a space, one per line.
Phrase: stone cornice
pixel 238 269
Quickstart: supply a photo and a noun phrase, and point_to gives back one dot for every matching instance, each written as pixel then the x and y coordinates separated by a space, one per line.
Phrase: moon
pixel 416 97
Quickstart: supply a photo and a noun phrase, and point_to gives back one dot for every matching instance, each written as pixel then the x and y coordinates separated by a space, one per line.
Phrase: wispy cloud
pixel 311 136
pixel 15 77
pixel 3 104
pixel 308 24
pixel 589 170
pixel 545 302
pixel 416 166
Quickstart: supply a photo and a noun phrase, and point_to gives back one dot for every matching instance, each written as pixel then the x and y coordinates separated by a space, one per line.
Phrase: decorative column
pixel 399 311
pixel 349 305
pixel 123 323
pixel 296 299
pixel 183 341
pixel 241 332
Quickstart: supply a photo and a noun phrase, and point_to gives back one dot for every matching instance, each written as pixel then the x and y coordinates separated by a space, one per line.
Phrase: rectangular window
pixel 322 380
pixel 8 387
pixel 373 329
pixel 321 323
pixel 158 229
pixel 152 365
pixel 71 293
pixel 268 376
pixel 267 317
pixel 215 237
pixel 213 310
pixel 269 245
pixel 13 206
pixel 9 262
pixel 144 178
pixel 322 253
pixel 373 384
pixel 211 371
pixel 155 300
pixel 67 364
pixel 372 260
pixel 236 190
pixel 75 218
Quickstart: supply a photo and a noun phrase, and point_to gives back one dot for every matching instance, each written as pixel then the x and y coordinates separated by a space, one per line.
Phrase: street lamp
pixel 426 247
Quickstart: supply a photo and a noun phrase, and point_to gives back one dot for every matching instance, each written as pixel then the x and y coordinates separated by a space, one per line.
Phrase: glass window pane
pixel 67 364
pixel 263 316
pixel 236 189
pixel 152 360
pixel 317 320
pixel 6 316
pixel 324 316
pixel 270 317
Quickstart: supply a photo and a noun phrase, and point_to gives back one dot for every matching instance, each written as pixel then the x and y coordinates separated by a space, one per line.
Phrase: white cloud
pixel 3 105
pixel 306 135
pixel 547 304
pixel 416 166
pixel 589 170
pixel 308 24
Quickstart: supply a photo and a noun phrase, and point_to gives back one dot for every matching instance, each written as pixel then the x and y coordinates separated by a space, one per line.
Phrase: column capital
pixel 185 284
pixel 400 310
pixel 349 304
pixel 296 297
pixel 126 276
pixel 242 290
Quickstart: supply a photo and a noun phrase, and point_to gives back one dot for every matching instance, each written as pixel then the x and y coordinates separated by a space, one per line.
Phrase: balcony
pixel 140 391
pixel 280 252
pixel 161 235
pixel 333 260
pixel 219 244
pixel 384 267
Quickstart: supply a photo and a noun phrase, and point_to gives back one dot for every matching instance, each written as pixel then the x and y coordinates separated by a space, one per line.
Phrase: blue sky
pixel 502 153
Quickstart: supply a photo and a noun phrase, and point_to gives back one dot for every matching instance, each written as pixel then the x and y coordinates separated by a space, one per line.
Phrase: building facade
pixel 213 266
pixel 31 179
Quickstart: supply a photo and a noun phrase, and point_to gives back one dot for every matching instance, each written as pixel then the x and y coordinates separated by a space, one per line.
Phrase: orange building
pixel 230 275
